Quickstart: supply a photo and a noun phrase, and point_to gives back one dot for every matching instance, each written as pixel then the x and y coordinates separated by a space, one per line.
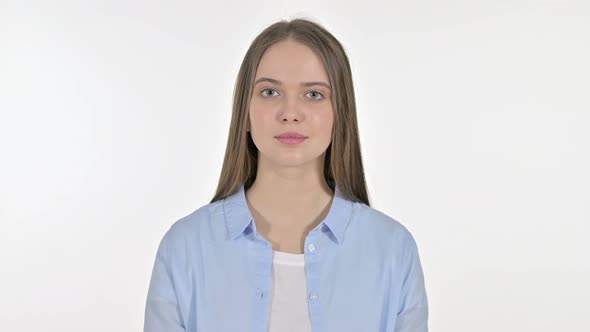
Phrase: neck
pixel 289 197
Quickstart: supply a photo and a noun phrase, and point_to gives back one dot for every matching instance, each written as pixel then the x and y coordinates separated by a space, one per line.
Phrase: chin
pixel 293 161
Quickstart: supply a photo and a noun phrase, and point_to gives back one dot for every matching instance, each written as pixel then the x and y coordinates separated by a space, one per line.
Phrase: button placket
pixel 313 243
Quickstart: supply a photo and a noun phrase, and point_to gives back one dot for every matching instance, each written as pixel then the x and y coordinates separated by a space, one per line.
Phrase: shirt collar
pixel 238 217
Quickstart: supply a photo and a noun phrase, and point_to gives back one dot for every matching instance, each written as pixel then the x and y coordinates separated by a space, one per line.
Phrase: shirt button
pixel 311 248
pixel 313 296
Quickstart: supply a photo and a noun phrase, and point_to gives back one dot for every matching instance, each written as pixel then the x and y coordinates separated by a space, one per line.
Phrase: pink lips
pixel 291 137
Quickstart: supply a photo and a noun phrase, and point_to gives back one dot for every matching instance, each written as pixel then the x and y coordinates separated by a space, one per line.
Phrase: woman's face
pixel 291 94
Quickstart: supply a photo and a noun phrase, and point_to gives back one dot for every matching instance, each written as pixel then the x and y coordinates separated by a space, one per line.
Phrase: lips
pixel 291 134
pixel 291 138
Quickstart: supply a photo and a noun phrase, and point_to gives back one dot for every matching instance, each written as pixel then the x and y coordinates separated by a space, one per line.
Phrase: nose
pixel 291 110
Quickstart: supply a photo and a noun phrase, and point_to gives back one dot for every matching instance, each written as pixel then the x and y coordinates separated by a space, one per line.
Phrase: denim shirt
pixel 212 272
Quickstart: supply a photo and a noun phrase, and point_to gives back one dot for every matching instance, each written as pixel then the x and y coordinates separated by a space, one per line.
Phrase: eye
pixel 263 94
pixel 318 94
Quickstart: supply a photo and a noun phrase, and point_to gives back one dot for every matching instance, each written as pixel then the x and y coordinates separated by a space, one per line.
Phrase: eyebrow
pixel 272 80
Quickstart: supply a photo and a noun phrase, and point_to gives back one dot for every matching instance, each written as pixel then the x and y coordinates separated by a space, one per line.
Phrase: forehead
pixel 291 61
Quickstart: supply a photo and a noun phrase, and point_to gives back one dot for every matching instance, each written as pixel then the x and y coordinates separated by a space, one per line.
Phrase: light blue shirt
pixel 212 272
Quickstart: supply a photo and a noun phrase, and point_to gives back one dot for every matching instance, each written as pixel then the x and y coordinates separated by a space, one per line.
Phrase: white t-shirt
pixel 288 295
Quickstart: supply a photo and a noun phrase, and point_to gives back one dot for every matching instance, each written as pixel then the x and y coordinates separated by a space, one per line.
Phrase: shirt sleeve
pixel 162 312
pixel 413 310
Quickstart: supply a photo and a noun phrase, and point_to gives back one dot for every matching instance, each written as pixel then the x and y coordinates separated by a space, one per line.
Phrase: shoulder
pixel 381 224
pixel 384 231
pixel 392 234
pixel 190 228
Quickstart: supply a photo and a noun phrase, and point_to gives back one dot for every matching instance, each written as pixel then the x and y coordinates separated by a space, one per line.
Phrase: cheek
pixel 259 117
pixel 325 121
pixel 254 112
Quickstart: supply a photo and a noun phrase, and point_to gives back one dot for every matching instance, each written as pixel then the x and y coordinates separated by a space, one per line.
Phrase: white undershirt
pixel 288 295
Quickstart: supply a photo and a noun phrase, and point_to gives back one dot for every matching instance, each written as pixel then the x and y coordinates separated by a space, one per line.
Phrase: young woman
pixel 289 241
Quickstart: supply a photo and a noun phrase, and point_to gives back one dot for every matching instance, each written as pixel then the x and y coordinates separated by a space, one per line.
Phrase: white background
pixel 474 120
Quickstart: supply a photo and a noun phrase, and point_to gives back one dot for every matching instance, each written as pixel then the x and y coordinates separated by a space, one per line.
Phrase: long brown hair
pixel 241 155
